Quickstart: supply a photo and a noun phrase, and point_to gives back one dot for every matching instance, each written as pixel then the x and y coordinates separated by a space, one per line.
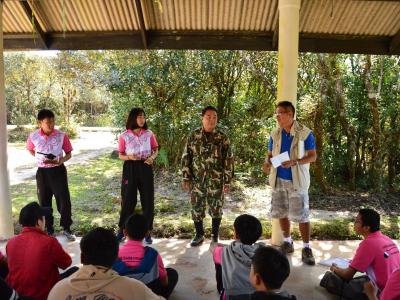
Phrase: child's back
pixel 233 262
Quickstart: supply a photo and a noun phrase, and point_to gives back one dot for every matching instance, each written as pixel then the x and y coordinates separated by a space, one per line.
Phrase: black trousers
pixel 54 181
pixel 161 290
pixel 137 176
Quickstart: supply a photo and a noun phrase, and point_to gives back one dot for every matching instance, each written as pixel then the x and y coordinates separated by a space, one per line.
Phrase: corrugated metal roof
pixel 244 17
pixel 380 18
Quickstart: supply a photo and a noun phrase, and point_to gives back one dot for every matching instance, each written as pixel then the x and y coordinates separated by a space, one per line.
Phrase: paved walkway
pixel 197 275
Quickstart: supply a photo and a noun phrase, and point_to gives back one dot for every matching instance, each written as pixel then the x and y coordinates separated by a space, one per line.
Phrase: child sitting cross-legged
pixel 269 269
pixel 143 262
pixel 233 262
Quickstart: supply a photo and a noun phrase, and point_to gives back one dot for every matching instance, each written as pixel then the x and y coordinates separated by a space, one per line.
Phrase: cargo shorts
pixel 288 202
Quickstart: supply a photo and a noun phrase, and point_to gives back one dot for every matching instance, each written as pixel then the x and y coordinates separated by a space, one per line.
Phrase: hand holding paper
pixel 279 159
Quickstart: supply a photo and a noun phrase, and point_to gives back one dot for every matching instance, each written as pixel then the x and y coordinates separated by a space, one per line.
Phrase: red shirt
pixel 132 253
pixel 33 262
pixel 378 256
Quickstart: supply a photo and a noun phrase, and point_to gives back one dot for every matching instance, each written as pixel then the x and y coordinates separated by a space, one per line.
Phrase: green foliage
pixel 99 88
pixel 18 134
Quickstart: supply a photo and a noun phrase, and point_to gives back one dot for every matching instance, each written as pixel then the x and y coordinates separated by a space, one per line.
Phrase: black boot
pixel 215 229
pixel 199 237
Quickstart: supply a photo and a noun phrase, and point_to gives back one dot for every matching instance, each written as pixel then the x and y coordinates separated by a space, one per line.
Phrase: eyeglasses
pixel 281 113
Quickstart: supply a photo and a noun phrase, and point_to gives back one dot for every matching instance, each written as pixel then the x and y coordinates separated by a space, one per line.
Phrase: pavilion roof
pixel 340 26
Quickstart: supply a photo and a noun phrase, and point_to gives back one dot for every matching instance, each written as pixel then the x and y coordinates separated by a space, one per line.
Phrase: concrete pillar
pixel 6 221
pixel 288 53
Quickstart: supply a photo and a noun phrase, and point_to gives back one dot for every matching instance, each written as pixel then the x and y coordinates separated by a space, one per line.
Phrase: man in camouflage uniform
pixel 207 169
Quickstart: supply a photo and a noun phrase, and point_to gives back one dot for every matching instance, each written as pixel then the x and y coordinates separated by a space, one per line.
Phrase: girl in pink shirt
pixel 138 148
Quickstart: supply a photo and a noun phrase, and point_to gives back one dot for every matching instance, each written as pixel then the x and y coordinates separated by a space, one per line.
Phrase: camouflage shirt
pixel 207 155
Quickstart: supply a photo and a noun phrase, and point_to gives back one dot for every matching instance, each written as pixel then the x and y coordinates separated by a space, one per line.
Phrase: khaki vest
pixel 300 173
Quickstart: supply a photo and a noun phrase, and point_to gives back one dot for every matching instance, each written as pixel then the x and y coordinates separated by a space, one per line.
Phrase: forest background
pixel 351 102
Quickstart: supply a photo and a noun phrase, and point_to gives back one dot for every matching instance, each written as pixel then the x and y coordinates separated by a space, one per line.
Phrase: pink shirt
pixel 54 143
pixel 137 143
pixel 132 253
pixel 392 288
pixel 378 256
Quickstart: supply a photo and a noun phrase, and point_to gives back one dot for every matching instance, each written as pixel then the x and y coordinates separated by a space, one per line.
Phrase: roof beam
pixel 31 16
pixel 275 37
pixel 223 40
pixel 142 26
pixel 395 43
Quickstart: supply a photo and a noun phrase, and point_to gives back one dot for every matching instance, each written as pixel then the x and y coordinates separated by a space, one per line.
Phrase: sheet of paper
pixel 279 159
pixel 340 262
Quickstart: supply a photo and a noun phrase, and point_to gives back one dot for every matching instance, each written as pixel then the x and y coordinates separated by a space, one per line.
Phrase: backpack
pixel 146 271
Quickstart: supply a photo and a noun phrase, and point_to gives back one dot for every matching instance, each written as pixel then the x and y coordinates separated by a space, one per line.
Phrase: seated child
pixel 233 262
pixel 96 280
pixel 269 269
pixel 144 263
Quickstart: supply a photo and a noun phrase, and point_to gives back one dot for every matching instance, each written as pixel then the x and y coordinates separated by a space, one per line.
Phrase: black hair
pixel 45 113
pixel 99 247
pixel 371 218
pixel 207 108
pixel 287 105
pixel 31 213
pixel 131 122
pixel 272 266
pixel 248 229
pixel 136 227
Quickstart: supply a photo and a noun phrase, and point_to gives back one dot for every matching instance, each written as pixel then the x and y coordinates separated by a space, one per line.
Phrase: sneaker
pixel 120 237
pixel 307 256
pixel 69 235
pixel 287 247
pixel 197 241
pixel 148 240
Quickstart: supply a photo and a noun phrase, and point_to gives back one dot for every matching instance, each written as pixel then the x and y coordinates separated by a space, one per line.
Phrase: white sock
pixel 288 239
pixel 306 245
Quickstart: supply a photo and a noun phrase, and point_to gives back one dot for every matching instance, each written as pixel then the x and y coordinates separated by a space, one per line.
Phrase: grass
pixel 95 196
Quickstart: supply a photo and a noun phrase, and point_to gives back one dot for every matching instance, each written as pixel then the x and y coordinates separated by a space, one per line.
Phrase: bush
pixel 18 134
pixel 71 130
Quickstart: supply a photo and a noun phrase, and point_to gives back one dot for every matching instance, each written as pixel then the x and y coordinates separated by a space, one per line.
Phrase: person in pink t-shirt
pixel 134 256
pixel 390 292
pixel 138 149
pixel 377 255
pixel 48 146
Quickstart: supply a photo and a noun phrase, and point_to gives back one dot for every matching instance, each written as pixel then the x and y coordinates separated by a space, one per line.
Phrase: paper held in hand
pixel 279 159
pixel 340 262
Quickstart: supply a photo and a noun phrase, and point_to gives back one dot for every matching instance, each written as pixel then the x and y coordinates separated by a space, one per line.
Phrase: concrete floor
pixel 197 275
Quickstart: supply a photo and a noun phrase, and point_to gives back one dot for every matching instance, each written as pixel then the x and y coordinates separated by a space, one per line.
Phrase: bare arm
pixel 123 156
pixel 345 274
pixel 152 157
pixel 311 156
pixel 267 163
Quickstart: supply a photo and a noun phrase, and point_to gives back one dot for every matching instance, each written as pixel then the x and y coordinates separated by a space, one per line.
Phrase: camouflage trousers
pixel 203 195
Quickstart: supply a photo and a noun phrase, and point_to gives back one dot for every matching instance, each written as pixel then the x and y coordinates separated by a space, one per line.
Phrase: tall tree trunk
pixel 376 151
pixel 348 129
pixel 318 123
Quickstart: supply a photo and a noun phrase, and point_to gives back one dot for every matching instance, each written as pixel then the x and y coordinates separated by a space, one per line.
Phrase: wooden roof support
pixel 275 37
pixel 142 26
pixel 317 43
pixel 394 46
pixel 32 17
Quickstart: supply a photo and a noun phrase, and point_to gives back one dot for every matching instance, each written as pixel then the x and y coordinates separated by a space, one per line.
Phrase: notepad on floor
pixel 340 262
